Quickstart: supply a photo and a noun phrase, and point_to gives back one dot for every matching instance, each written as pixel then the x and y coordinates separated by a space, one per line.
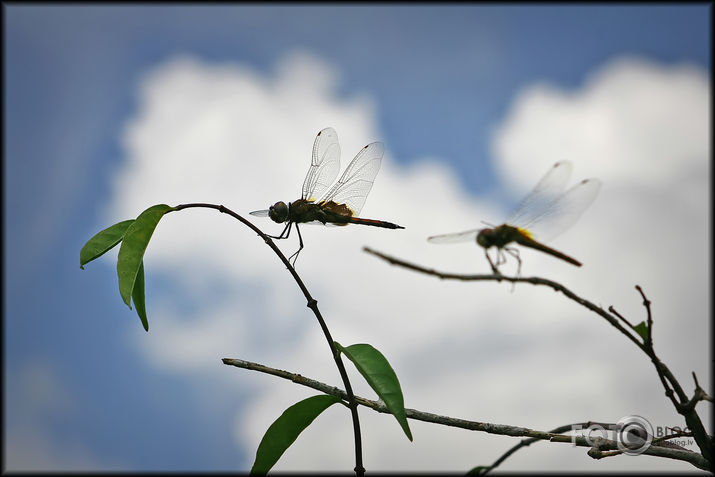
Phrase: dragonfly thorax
pixel 499 236
pixel 278 212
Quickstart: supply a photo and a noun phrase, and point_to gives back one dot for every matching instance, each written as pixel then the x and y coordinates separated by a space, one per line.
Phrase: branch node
pixel 700 392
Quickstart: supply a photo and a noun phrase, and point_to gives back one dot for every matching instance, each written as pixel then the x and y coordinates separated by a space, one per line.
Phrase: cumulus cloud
pixel 227 134
pixel 633 121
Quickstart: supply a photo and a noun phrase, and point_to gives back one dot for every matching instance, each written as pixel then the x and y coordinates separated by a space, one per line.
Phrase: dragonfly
pixel 544 213
pixel 341 204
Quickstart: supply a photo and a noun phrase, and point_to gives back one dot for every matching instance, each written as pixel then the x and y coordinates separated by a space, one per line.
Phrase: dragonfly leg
pixel 495 270
pixel 501 258
pixel 515 253
pixel 300 242
pixel 286 232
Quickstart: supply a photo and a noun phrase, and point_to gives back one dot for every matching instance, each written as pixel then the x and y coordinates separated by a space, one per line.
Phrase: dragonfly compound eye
pixel 483 240
pixel 278 212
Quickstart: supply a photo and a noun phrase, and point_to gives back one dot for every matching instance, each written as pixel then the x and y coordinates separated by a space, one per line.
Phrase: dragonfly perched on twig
pixel 341 204
pixel 544 213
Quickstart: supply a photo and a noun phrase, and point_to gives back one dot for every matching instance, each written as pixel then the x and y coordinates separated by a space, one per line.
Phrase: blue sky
pixel 448 89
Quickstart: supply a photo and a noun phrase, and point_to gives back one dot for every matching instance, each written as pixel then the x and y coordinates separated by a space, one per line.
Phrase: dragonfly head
pixel 485 238
pixel 278 212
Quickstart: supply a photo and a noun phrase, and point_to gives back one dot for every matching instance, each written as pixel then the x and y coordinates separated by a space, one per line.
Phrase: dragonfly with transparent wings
pixel 544 213
pixel 341 204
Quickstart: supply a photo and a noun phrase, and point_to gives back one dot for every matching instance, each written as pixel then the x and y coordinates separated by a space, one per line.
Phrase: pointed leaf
pixel 102 242
pixel 381 377
pixel 134 244
pixel 286 429
pixel 642 329
pixel 138 297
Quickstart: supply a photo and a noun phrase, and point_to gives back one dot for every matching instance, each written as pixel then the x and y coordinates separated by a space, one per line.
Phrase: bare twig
pixel 621 317
pixel 700 392
pixel 673 390
pixel 684 406
pixel 604 445
pixel 498 277
pixel 313 305
pixel 527 442
pixel 661 441
pixel 649 322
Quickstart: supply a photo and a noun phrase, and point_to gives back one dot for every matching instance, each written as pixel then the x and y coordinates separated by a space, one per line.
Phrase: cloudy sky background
pixel 110 110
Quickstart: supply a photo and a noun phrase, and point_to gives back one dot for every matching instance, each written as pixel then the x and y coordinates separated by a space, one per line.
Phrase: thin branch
pixel 700 392
pixel 621 317
pixel 684 406
pixel 649 322
pixel 662 441
pixel 671 385
pixel 699 395
pixel 604 445
pixel 313 305
pixel 527 442
pixel 498 278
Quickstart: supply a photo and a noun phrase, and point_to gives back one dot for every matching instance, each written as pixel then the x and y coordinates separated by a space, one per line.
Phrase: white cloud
pixel 632 121
pixel 226 134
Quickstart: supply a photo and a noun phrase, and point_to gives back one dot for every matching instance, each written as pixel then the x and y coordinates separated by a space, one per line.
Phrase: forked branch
pixel 683 405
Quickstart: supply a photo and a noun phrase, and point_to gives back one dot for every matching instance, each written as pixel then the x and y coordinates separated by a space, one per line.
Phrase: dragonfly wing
pixel 466 236
pixel 565 210
pixel 532 207
pixel 260 213
pixel 324 166
pixel 355 183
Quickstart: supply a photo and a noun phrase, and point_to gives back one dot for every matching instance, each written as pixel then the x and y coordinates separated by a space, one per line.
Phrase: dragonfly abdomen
pixel 374 223
pixel 331 213
pixel 531 243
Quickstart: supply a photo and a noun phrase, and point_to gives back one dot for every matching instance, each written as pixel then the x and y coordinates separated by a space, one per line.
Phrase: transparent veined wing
pixel 355 183
pixel 547 211
pixel 565 210
pixel 536 203
pixel 529 210
pixel 466 236
pixel 324 166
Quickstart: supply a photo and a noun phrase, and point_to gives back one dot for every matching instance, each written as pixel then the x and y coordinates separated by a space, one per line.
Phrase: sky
pixel 112 109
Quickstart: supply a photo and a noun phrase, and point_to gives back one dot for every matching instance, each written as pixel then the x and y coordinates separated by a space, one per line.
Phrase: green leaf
pixel 381 377
pixel 138 297
pixel 133 247
pixel 642 329
pixel 102 242
pixel 286 429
